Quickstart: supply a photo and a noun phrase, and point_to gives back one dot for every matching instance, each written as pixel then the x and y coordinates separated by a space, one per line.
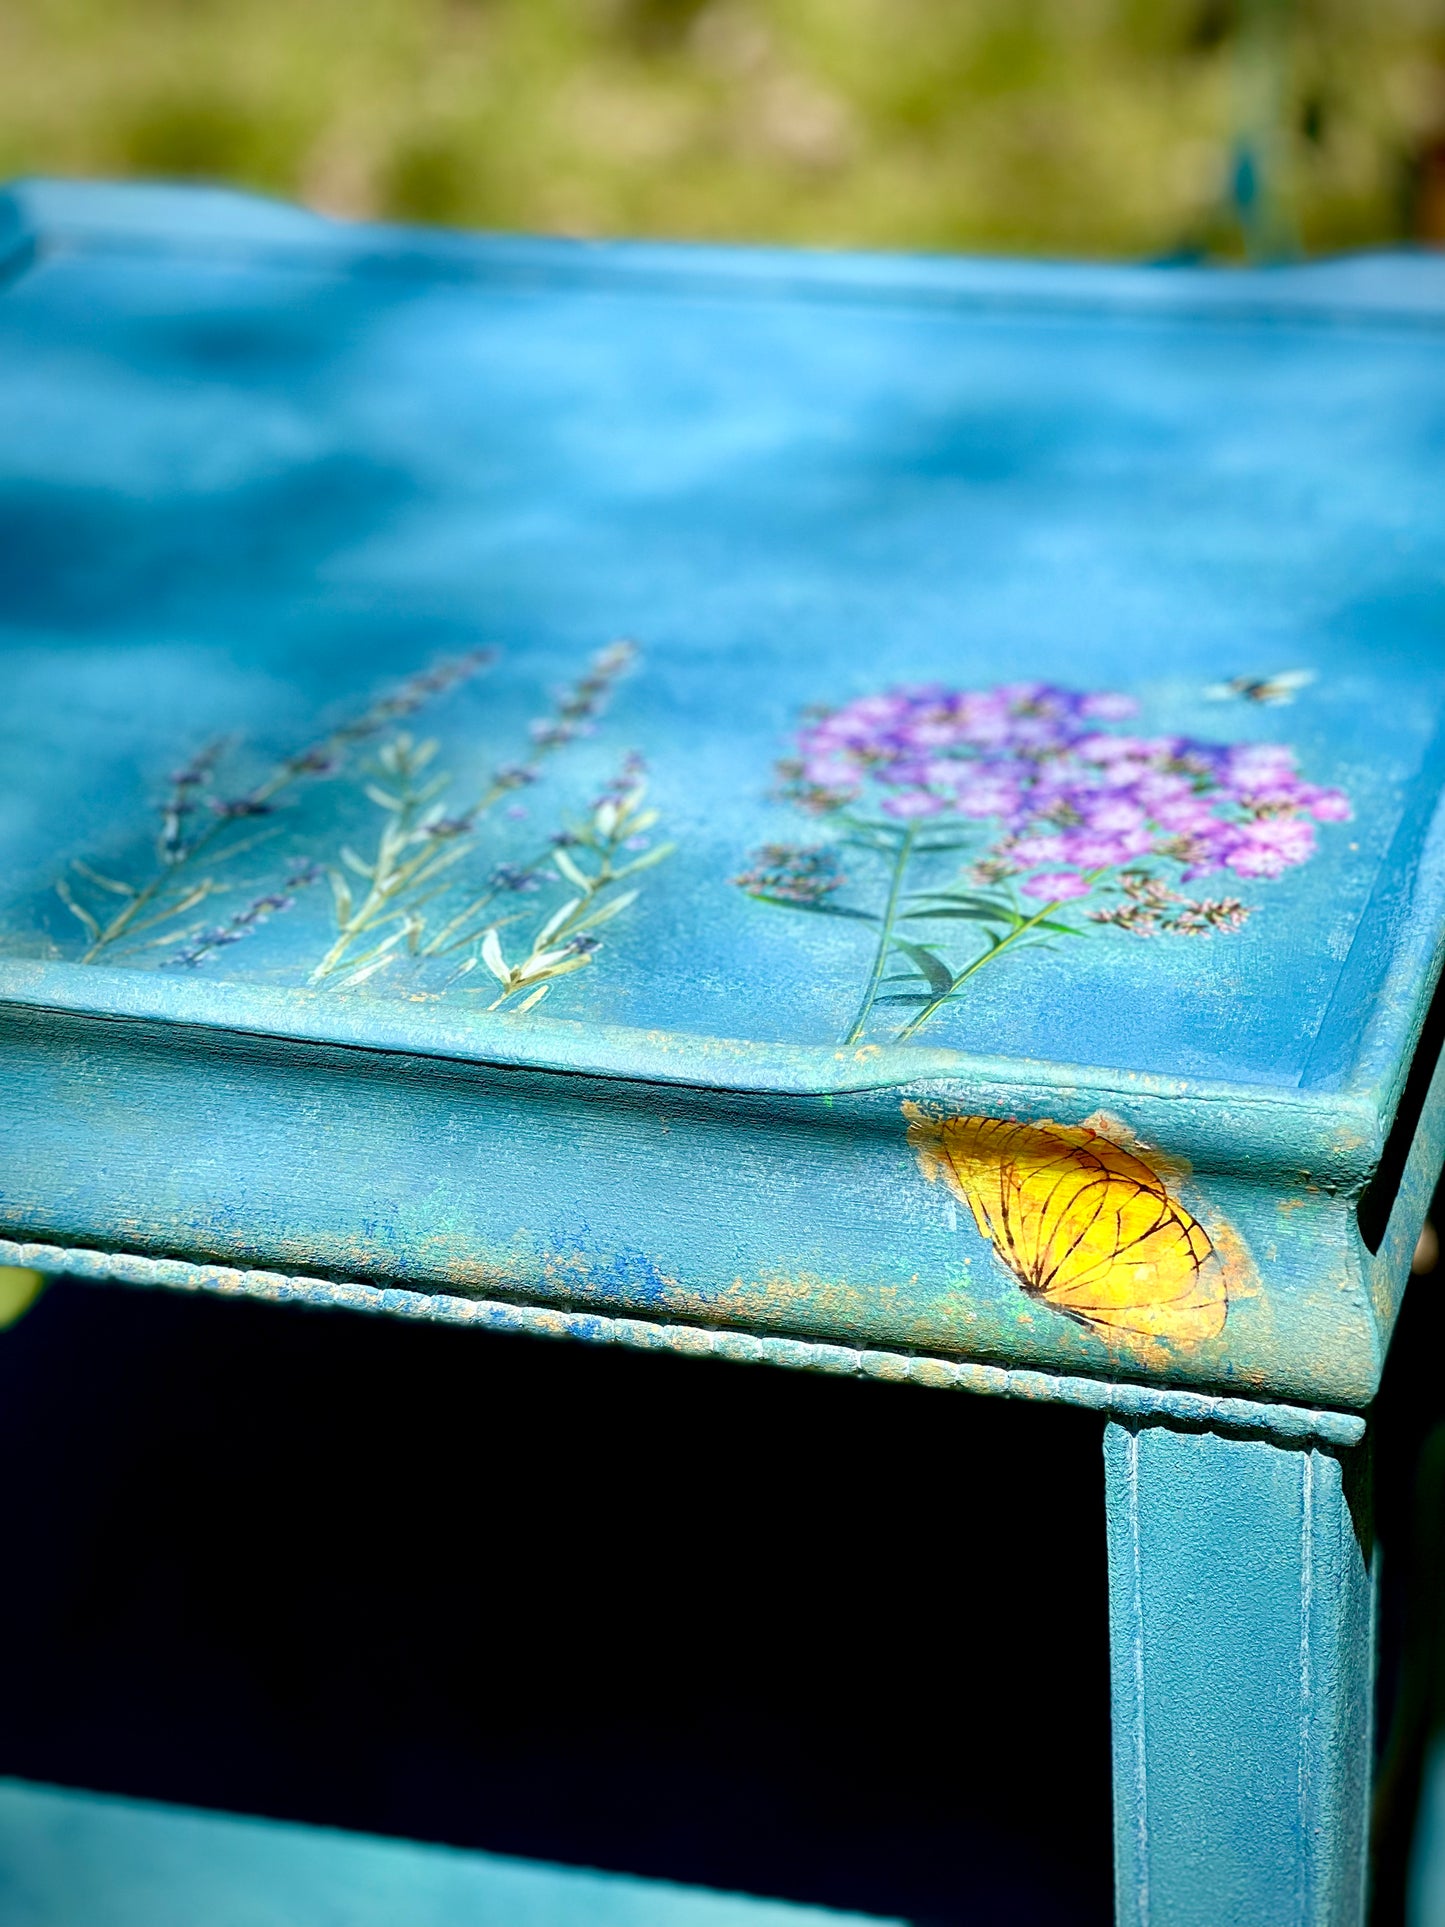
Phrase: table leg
pixel 1242 1641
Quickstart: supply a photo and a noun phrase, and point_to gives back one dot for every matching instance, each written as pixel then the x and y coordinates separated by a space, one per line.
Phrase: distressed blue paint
pixel 257 466
pixel 1281 1422
pixel 778 484
pixel 1241 1611
pixel 806 1219
pixel 254 467
pixel 1231 1128
pixel 87 1860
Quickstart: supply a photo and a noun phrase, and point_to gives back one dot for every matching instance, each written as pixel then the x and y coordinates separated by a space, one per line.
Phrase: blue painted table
pixel 81 1860
pixel 978 928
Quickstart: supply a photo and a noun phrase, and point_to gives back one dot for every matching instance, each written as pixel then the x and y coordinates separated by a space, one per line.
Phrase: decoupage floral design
pixel 439 889
pixel 207 824
pixel 964 824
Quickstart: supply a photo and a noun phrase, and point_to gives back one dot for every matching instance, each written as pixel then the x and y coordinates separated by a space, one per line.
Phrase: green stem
pixel 120 924
pixel 885 934
pixel 388 880
pixel 915 1024
pixel 603 880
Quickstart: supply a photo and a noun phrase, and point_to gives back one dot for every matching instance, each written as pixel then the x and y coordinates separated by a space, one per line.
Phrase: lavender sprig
pixel 593 862
pixel 575 711
pixel 194 816
pixel 245 923
pixel 420 841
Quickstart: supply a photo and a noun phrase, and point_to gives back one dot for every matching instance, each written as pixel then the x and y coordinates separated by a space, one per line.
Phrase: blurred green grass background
pixel 1093 127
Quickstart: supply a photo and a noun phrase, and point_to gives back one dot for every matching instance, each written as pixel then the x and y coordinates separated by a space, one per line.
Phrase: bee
pixel 1261 689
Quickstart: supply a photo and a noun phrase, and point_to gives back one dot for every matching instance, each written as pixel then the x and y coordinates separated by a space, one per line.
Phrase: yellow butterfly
pixel 1082 1223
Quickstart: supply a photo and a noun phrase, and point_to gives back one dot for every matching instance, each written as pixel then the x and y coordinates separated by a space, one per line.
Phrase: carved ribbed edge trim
pixel 1292 1422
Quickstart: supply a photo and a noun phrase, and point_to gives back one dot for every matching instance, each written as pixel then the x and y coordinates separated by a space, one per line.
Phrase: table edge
pixel 1118 1400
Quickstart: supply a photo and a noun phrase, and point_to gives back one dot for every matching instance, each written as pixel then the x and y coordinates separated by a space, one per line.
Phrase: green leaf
pixel 555 922
pixel 967 914
pixel 943 894
pixel 105 883
pixel 494 960
pixel 573 873
pixel 816 909
pixel 341 891
pixel 63 891
pixel 360 975
pixel 540 964
pixel 934 969
pixel 969 899
pixel 644 862
pixel 607 910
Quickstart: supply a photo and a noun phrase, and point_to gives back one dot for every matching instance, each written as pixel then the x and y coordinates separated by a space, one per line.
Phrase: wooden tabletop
pixel 880 805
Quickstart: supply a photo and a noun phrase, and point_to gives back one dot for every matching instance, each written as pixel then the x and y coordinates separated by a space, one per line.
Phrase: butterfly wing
pixel 1128 1256
pixel 1085 1225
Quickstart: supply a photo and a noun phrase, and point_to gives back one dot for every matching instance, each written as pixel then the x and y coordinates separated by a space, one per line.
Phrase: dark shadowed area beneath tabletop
pixel 828 1641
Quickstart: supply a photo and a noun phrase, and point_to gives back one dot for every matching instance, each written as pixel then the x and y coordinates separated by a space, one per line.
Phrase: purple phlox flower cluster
pixel 1151 908
pixel 792 874
pixel 244 923
pixel 1073 799
pixel 511 876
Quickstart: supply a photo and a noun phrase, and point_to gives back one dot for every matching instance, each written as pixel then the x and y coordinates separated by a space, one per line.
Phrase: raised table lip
pixel 1378 287
pixel 1274 1129
pixel 1335 1129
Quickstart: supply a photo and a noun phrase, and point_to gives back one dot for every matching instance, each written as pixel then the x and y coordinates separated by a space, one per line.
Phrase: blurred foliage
pixel 19 1290
pixel 1072 126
